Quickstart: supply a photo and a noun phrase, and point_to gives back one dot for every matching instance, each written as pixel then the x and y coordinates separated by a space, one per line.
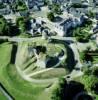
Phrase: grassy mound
pixel 26 60
pixel 15 85
pixel 2 97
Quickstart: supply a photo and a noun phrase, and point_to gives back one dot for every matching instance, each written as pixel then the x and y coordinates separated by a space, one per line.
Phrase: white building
pixel 63 27
pixel 34 4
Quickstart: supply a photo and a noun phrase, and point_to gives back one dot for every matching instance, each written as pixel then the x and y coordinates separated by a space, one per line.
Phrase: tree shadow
pixel 57 19
pixel 52 62
pixel 3 40
pixel 70 60
pixel 71 89
pixel 13 54
pixel 96 89
pixel 14 30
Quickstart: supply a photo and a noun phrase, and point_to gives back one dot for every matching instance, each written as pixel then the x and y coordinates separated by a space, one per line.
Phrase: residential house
pixel 4 11
pixel 75 1
pixel 57 1
pixel 7 1
pixel 95 29
pixel 34 4
pixel 63 27
pixel 24 13
pixel 85 3
pixel 77 12
pixel 36 26
pixel 95 2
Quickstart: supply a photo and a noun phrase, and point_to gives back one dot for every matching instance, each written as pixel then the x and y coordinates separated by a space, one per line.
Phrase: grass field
pixel 51 74
pixel 15 85
pixel 27 64
pixel 2 97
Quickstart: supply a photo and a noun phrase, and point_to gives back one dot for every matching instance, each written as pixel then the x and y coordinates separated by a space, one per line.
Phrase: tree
pixel 57 92
pixel 46 2
pixel 4 27
pixel 21 23
pixel 56 9
pixel 81 34
pixel 89 81
pixel 90 14
pixel 95 71
pixel 50 16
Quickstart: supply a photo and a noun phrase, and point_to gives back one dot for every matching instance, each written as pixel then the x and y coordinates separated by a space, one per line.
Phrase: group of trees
pixel 50 16
pixel 9 29
pixel 19 5
pixel 82 33
pixel 85 55
pixel 90 79
pixel 68 90
pixel 90 82
pixel 55 9
pixel 4 27
pixel 91 14
pixel 20 22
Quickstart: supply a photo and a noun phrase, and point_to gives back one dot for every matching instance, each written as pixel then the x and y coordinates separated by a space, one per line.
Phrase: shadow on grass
pixel 68 90
pixel 70 61
pixel 10 97
pixel 13 54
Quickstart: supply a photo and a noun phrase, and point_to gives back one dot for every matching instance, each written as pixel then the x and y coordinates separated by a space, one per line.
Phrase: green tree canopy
pixel 21 23
pixel 50 16
pixel 4 27
pixel 56 9
pixel 89 81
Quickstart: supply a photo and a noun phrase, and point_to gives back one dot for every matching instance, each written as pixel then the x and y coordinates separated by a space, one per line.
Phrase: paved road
pixel 19 39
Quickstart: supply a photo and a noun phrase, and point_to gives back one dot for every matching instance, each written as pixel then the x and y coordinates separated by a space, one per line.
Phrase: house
pixel 95 2
pixel 7 1
pixel 63 27
pixel 57 1
pixel 36 26
pixel 45 33
pixel 85 3
pixel 77 12
pixel 75 1
pixel 24 13
pixel 95 29
pixel 97 16
pixel 34 4
pixel 4 11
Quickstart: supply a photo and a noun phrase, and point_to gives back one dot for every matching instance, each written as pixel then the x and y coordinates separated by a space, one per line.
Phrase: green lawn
pixel 54 73
pixel 14 84
pixel 2 97
pixel 95 59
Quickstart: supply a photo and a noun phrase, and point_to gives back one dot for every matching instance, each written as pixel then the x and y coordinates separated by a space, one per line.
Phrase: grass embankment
pixel 27 63
pixel 2 97
pixel 15 85
pixel 54 73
